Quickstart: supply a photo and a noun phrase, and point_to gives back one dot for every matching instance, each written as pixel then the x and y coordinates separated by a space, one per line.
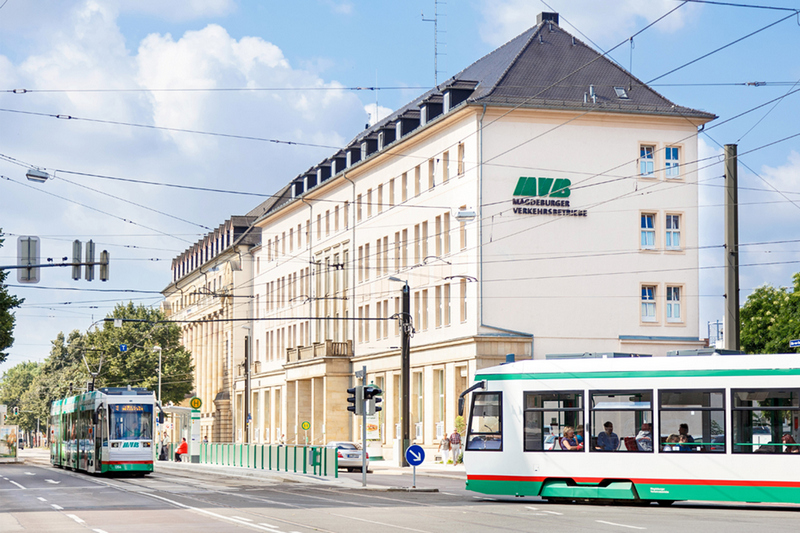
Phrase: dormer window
pixel 622 94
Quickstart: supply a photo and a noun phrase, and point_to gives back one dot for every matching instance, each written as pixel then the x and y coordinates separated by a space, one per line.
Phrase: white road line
pixel 56 507
pixel 41 499
pixel 378 523
pixel 618 525
pixel 553 512
pixel 53 482
pixel 29 474
pixel 268 525
pixel 242 518
pixel 215 515
pixel 17 484
pixel 99 531
pixel 78 520
pixel 532 508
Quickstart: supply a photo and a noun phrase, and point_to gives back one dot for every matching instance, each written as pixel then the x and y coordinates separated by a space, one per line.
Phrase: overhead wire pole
pixel 731 321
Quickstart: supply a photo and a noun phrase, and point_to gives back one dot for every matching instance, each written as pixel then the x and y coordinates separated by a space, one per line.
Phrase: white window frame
pixel 672 162
pixel 647 161
pixel 645 231
pixel 648 311
pixel 671 234
pixel 673 307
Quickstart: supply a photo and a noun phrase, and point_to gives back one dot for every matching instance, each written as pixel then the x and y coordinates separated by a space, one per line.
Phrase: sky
pixel 133 73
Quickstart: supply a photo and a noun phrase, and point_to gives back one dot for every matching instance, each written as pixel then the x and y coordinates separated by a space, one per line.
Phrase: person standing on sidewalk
pixel 455 446
pixel 444 447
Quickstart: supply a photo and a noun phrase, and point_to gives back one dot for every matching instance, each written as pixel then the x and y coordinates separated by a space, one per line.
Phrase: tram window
pixel 630 415
pixel 546 416
pixel 131 421
pixel 486 422
pixel 696 417
pixel 762 420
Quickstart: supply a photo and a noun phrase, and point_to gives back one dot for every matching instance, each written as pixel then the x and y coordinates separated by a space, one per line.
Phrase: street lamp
pixel 158 349
pixel 465 215
pixel 405 371
pixel 39 176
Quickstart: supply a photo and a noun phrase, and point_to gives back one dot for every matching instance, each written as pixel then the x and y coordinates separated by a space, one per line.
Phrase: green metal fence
pixel 316 460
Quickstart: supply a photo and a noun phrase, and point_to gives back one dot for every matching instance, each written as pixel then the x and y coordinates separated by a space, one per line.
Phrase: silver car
pixel 349 455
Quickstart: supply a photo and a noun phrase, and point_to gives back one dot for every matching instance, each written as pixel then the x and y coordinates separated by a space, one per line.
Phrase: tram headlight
pixel 115 444
pixel 146 444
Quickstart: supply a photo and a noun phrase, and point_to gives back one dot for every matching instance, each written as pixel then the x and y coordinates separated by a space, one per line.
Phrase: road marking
pixel 29 474
pixel 242 518
pixel 532 508
pixel 17 484
pixel 56 507
pixel 268 525
pixel 53 482
pixel 41 499
pixel 618 525
pixel 78 520
pixel 379 523
pixel 99 531
pixel 215 515
pixel 553 512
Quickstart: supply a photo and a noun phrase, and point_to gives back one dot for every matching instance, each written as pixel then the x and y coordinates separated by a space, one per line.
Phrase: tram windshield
pixel 131 421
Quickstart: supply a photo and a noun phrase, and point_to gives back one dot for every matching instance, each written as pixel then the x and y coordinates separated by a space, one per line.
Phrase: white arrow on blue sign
pixel 415 455
pixel 794 344
pixel 123 347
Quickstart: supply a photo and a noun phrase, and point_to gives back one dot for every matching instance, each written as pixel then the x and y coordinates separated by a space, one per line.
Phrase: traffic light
pixel 356 399
pixel 372 395
pixel 104 265
pixel 15 411
pixel 89 261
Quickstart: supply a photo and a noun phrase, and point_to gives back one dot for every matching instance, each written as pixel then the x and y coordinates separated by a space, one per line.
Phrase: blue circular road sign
pixel 415 455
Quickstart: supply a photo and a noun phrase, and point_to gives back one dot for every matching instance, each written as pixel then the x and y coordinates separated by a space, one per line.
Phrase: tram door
pixel 100 437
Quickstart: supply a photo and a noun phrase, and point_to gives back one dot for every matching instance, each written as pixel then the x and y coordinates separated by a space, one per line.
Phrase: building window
pixel 359 208
pixel 417 244
pixel 327 223
pixel 404 187
pixel 431 173
pixel 462 231
pixel 646 161
pixel 417 180
pixel 446 232
pixel 424 240
pixel 319 227
pixel 346 215
pixel 391 192
pixel 671 162
pixel 397 251
pixel 438 304
pixel 673 236
pixel 460 159
pixel 385 255
pixel 336 218
pixel 380 198
pixel 445 166
pixel 648 303
pixel 366 326
pixel 366 261
pixel 360 264
pixel 397 311
pixel 291 239
pixel 446 304
pixel 463 299
pixel 438 236
pixel 674 304
pixel 369 203
pixel 648 231
pixel 360 324
pixel 405 248
pixel 425 310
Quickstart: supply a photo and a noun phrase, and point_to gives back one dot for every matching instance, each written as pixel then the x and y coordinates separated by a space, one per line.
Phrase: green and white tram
pixel 714 428
pixel 108 430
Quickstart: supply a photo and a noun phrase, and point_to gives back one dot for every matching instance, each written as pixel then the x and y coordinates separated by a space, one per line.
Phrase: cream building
pixel 582 181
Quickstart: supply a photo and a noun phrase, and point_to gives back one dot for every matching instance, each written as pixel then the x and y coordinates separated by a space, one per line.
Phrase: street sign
pixel 196 403
pixel 415 455
pixel 305 425
pixel 123 347
pixel 794 344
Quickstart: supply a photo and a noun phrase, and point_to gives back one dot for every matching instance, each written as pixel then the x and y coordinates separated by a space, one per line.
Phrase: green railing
pixel 315 460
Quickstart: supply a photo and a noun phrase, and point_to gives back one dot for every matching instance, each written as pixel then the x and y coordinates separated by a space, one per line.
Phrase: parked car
pixel 349 455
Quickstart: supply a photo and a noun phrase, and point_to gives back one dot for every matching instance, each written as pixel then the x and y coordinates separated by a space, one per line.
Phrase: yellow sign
pixel 196 403
pixel 305 425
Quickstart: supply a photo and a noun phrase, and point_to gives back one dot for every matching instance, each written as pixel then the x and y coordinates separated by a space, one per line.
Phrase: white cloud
pixel 376 113
pixel 598 19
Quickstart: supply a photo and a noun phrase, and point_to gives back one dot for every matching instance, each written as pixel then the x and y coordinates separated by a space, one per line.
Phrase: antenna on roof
pixel 435 21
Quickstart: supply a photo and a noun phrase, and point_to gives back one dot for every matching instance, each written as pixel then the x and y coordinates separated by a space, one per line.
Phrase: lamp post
pixel 405 371
pixel 248 352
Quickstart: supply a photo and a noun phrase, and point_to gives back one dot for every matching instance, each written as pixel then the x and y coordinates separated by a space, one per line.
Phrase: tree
pixel 16 382
pixel 770 318
pixel 7 319
pixel 142 329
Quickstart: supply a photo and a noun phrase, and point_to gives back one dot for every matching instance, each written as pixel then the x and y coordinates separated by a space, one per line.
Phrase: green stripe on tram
pixel 624 490
pixel 643 374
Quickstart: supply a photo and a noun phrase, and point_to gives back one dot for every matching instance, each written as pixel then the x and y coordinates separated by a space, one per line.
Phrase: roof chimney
pixel 547 17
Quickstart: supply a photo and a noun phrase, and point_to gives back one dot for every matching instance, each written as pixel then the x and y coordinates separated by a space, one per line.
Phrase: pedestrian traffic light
pixel 372 395
pixel 356 399
pixel 15 411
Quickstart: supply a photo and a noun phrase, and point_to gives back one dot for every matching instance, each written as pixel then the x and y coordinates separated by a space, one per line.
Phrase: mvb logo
pixel 550 187
pixel 130 444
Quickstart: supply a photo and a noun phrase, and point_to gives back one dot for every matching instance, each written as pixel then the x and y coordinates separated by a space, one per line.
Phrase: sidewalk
pixel 425 469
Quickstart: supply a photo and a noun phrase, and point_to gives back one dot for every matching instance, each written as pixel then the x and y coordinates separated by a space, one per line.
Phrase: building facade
pixel 541 202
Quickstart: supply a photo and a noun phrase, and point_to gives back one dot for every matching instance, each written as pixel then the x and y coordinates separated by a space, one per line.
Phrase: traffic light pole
pixel 364 430
pixel 405 375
